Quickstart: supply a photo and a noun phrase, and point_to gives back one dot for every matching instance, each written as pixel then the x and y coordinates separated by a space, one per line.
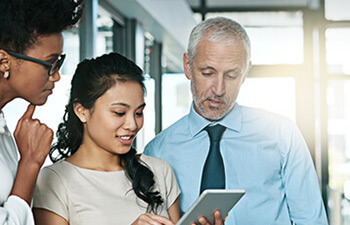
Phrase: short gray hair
pixel 221 29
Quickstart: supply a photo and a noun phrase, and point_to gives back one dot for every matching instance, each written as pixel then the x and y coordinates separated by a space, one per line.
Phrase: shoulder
pixel 264 118
pixel 176 128
pixel 53 174
pixel 154 163
pixel 164 177
pixel 251 112
pixel 162 171
pixel 52 190
pixel 157 165
pixel 173 132
pixel 57 167
pixel 51 182
pixel 264 126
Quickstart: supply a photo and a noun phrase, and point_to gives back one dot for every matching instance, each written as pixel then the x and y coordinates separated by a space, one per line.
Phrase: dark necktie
pixel 213 176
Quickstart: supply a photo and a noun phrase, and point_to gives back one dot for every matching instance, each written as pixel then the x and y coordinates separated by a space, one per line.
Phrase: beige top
pixel 84 196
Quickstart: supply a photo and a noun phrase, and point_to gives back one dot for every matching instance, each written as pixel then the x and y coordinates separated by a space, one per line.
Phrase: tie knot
pixel 215 132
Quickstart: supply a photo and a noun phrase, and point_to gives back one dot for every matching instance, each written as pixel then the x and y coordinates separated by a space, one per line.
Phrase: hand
pixel 150 219
pixel 33 138
pixel 217 219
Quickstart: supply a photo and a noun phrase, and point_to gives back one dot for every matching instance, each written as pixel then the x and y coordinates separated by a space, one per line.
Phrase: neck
pixel 95 159
pixel 6 94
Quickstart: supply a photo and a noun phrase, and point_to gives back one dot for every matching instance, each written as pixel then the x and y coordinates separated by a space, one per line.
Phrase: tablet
pixel 208 201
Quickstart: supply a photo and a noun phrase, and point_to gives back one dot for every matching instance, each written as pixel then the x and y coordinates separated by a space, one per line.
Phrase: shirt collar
pixel 232 121
pixel 3 128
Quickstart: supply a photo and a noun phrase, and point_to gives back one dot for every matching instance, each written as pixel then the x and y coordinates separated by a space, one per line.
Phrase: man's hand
pixel 217 217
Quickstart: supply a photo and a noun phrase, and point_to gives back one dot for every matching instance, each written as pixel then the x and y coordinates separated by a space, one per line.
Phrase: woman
pixel 30 59
pixel 101 179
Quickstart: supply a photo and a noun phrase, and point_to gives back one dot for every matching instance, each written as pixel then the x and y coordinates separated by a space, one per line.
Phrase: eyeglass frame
pixel 59 61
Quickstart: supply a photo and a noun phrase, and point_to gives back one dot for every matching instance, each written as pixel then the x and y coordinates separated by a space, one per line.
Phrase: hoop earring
pixel 6 74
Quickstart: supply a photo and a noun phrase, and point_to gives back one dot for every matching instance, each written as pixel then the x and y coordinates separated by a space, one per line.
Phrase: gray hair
pixel 221 29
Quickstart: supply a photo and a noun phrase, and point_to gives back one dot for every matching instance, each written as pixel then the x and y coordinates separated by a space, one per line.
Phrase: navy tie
pixel 213 176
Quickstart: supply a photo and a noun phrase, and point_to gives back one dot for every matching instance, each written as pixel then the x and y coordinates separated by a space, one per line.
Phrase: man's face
pixel 218 71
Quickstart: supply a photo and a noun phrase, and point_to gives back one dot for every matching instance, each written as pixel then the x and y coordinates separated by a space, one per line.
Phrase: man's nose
pixel 219 86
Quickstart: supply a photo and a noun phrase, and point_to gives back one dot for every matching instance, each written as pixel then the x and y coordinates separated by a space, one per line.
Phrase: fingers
pixel 203 221
pixel 150 219
pixel 161 219
pixel 217 219
pixel 223 220
pixel 32 137
pixel 29 112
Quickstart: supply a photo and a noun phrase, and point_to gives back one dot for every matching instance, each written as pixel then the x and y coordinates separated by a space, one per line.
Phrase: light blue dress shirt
pixel 263 153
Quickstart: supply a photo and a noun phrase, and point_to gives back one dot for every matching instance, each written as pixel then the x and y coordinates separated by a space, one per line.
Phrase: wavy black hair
pixel 22 21
pixel 91 80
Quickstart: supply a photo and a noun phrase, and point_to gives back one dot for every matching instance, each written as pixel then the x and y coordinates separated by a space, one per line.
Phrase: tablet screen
pixel 208 201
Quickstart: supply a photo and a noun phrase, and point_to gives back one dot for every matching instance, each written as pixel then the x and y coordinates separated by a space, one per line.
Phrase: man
pixel 261 152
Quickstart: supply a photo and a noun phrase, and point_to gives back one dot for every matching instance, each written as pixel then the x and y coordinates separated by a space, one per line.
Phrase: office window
pixel 144 42
pixel 338 100
pixel 276 95
pixel 276 37
pixel 71 49
pixel 147 133
pixel 197 17
pixel 338 50
pixel 104 41
pixel 194 3
pixel 177 97
pixel 337 9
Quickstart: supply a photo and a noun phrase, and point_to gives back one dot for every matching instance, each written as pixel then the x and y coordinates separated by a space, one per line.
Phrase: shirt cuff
pixel 18 211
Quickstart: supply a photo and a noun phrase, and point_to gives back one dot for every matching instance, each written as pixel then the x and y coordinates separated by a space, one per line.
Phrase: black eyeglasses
pixel 52 67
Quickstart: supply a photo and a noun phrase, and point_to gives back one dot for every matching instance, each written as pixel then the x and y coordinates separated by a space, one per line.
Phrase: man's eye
pixel 206 74
pixel 232 77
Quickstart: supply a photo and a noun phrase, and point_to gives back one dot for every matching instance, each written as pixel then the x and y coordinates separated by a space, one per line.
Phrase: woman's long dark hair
pixel 91 80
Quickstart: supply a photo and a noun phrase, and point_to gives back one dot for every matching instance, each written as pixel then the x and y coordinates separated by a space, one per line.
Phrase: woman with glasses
pixel 30 58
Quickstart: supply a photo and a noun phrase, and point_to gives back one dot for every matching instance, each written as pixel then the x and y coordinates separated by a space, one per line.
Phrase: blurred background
pixel 301 68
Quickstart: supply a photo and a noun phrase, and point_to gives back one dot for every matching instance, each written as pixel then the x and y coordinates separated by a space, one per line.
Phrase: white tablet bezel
pixel 208 202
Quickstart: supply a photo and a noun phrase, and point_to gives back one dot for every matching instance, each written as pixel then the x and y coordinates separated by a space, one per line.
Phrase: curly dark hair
pixel 22 21
pixel 92 78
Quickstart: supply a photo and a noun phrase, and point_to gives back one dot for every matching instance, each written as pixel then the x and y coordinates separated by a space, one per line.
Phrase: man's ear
pixel 246 71
pixel 81 112
pixel 5 61
pixel 187 68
